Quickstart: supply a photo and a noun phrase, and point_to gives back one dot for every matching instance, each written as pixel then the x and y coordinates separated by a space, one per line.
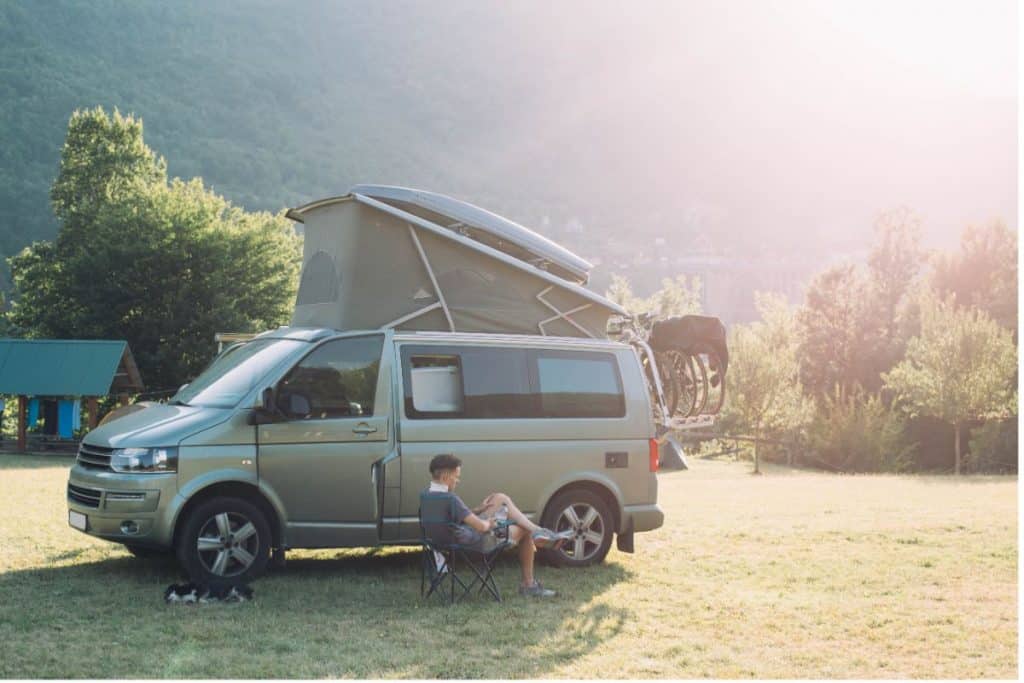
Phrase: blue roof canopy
pixel 67 367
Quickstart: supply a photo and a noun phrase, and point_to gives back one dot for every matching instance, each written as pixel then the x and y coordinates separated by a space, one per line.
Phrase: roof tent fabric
pixel 64 367
pixel 368 264
pixel 485 227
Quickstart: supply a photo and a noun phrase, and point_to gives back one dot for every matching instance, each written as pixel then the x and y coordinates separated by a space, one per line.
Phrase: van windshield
pixel 234 373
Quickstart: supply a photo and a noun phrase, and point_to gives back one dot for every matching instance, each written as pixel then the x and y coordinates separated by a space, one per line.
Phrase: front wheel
pixel 589 516
pixel 224 540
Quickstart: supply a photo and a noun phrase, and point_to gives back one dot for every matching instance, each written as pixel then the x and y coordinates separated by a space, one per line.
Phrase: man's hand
pixel 481 525
pixel 484 505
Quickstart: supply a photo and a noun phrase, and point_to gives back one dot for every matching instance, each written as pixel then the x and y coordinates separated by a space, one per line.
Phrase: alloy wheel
pixel 589 531
pixel 228 544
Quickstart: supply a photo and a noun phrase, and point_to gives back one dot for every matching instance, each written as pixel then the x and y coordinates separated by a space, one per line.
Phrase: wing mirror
pixel 266 412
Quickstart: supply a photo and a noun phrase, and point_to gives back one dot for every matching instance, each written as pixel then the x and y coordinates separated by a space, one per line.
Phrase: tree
pixel 983 273
pixel 957 369
pixel 893 266
pixel 679 296
pixel 764 394
pixel 858 432
pixel 833 342
pixel 164 265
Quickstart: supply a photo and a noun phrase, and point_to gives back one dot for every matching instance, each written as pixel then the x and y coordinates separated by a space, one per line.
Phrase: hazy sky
pixel 814 114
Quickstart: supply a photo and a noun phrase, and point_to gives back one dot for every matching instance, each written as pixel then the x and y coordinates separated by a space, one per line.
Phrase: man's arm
pixel 481 525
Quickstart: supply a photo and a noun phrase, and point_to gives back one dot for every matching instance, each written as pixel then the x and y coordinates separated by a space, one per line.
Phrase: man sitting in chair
pixel 475 524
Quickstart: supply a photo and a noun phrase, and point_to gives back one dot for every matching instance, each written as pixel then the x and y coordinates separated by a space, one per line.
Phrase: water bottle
pixel 500 517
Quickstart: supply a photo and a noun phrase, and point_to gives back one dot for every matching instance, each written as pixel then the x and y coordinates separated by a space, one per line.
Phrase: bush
pixel 993 447
pixel 858 433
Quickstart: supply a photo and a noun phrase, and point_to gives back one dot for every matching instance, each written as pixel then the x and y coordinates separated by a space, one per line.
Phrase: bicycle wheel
pixel 701 380
pixel 716 383
pixel 669 386
pixel 683 379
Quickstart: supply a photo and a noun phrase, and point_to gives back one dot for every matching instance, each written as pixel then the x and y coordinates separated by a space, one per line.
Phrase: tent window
pixel 319 283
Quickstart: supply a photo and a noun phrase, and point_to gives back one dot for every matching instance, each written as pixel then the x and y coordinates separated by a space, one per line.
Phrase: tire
pixel 146 553
pixel 208 549
pixel 593 541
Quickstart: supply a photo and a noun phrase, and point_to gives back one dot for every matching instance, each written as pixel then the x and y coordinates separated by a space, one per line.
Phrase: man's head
pixel 446 469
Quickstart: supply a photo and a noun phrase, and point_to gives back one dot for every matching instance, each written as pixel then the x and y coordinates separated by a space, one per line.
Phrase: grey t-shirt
pixel 464 534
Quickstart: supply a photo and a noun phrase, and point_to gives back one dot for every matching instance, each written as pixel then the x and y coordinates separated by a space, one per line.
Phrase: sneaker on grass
pixel 536 590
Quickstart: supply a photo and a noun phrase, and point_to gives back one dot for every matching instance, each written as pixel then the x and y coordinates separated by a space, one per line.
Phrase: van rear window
pixel 506 383
pixel 579 385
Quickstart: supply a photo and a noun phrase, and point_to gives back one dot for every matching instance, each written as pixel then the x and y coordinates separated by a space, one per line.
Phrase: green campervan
pixel 422 326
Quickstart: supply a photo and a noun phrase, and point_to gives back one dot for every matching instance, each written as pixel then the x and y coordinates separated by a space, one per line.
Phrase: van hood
pixel 149 425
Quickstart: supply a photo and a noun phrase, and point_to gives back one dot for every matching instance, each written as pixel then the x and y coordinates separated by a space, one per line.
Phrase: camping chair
pixel 437 525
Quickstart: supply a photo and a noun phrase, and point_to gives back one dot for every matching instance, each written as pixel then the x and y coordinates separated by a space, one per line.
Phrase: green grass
pixel 792 574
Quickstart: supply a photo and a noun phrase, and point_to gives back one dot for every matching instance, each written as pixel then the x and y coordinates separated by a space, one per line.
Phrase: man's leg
pixel 526 553
pixel 496 500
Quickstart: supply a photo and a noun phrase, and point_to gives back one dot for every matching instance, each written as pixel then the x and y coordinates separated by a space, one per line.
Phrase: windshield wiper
pixel 177 403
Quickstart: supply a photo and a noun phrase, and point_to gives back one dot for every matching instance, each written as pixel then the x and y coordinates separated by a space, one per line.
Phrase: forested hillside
pixel 587 123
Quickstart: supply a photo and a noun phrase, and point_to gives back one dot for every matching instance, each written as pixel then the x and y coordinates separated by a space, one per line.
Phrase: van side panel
pixel 530 459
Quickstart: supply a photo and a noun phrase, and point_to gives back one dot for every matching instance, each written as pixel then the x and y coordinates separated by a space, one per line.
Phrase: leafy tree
pixel 893 266
pixel 679 296
pixel 164 265
pixel 957 369
pixel 993 447
pixel 983 273
pixel 834 349
pixel 857 432
pixel 764 396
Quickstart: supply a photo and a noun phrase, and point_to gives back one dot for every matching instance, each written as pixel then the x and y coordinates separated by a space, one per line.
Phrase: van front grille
pixel 94 457
pixel 87 497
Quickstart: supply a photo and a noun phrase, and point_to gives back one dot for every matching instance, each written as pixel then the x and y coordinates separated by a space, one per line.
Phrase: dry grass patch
pixel 791 575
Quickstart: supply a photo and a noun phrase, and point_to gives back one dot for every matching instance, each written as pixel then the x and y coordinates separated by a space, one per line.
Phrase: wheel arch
pixel 232 489
pixel 606 493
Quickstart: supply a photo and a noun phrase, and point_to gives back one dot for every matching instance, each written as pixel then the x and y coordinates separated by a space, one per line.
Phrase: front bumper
pixel 109 499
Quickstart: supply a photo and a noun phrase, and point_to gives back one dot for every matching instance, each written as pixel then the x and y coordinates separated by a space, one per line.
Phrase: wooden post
pixel 93 408
pixel 22 419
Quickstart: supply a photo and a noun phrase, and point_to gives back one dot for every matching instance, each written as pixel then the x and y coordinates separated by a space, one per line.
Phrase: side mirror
pixel 265 412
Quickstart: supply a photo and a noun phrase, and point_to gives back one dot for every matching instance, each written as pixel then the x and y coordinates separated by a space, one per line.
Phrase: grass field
pixel 792 574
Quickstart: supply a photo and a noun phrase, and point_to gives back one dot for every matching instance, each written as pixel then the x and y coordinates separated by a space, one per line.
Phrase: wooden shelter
pixel 66 367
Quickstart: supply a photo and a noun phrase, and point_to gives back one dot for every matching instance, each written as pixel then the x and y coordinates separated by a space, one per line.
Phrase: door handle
pixel 363 428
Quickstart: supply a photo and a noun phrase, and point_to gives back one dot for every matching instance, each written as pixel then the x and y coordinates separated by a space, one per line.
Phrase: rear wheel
pixel 589 516
pixel 224 540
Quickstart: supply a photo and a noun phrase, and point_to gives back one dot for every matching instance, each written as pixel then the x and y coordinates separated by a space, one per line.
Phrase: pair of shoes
pixel 536 590
pixel 546 538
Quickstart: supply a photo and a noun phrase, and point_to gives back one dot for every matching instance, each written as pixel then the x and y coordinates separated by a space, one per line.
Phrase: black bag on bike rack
pixel 691 334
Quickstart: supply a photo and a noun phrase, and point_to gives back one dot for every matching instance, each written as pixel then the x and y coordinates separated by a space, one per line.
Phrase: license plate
pixel 77 520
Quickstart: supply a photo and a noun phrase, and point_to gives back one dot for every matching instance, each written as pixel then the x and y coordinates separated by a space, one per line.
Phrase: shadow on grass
pixel 332 613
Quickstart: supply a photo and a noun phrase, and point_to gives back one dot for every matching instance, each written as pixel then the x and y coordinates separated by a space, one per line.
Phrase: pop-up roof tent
pixel 392 257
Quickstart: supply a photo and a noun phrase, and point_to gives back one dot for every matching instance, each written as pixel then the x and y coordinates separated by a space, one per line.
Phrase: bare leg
pixel 526 551
pixel 496 500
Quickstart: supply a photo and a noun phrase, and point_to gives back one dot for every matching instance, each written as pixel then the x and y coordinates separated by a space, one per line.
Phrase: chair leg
pixel 485 576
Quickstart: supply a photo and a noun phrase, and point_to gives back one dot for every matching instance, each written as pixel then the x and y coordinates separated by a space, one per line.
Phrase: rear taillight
pixel 653 454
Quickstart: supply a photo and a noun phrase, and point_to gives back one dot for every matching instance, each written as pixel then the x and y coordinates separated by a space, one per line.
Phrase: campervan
pixel 423 325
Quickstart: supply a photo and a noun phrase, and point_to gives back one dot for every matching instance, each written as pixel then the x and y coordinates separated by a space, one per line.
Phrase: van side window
pixel 436 384
pixel 338 379
pixel 467 382
pixel 579 384
pixel 502 383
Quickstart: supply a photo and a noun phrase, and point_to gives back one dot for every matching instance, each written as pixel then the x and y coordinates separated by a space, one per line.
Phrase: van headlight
pixel 144 460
